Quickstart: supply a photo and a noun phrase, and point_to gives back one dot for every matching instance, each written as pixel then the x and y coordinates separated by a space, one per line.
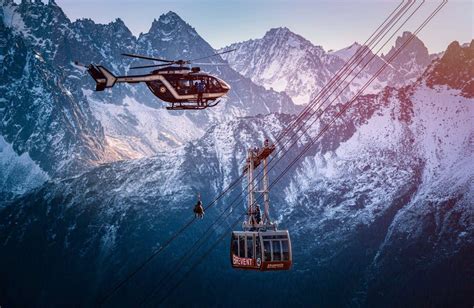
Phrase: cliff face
pixel 40 115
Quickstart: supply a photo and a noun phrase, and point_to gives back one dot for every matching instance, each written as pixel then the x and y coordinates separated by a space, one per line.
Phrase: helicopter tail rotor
pixel 103 78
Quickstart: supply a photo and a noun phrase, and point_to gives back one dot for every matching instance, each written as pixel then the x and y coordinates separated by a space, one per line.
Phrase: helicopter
pixel 174 82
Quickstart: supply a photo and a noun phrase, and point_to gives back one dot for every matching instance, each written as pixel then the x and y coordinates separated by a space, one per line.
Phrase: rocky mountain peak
pixel 170 23
pixel 170 17
pixel 34 4
pixel 455 69
pixel 278 31
pixel 285 38
pixel 175 33
pixel 408 64
pixel 414 53
pixel 118 27
pixel 118 21
pixel 282 60
pixel 455 53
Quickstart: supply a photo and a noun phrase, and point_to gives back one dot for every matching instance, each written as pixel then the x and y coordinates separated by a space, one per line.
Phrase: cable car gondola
pixel 260 246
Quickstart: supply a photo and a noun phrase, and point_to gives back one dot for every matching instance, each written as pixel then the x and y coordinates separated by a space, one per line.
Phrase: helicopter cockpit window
pixel 214 84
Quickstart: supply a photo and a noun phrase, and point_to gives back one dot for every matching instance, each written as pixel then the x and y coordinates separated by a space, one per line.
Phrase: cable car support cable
pixel 357 55
pixel 310 144
pixel 159 250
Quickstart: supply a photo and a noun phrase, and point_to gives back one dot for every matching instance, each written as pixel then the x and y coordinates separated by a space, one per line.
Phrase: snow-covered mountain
pixel 287 62
pixel 346 53
pixel 284 61
pixel 50 111
pixel 380 210
pixel 40 115
pixel 401 187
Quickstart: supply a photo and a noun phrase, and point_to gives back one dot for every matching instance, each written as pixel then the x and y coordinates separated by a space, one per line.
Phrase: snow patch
pixel 134 130
pixel 18 173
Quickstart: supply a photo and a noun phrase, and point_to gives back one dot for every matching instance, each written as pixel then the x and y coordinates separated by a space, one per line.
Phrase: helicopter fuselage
pixel 170 84
pixel 178 85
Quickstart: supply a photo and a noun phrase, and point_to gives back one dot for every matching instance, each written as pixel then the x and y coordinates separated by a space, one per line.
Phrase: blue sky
pixel 331 24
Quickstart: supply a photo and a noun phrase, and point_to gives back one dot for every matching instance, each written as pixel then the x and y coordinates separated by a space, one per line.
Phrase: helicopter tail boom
pixel 103 78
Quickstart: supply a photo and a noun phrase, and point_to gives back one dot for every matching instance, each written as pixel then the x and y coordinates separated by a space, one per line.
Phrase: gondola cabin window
pixel 241 246
pixel 235 245
pixel 258 248
pixel 267 250
pixel 276 251
pixel 250 253
pixel 285 250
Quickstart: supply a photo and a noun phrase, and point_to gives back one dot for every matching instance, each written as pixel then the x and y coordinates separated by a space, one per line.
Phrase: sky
pixel 331 24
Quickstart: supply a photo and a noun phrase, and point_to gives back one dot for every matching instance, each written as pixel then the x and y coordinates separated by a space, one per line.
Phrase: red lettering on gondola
pixel 242 261
pixel 275 265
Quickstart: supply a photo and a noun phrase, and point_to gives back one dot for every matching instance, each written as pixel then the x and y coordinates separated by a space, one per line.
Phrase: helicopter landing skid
pixel 181 106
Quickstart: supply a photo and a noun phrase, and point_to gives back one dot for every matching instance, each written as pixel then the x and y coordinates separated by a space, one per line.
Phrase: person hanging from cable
pixel 258 214
pixel 198 208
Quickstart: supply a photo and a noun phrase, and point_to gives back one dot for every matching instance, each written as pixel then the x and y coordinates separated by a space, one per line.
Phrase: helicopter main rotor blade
pixel 148 66
pixel 146 58
pixel 216 54
pixel 211 64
